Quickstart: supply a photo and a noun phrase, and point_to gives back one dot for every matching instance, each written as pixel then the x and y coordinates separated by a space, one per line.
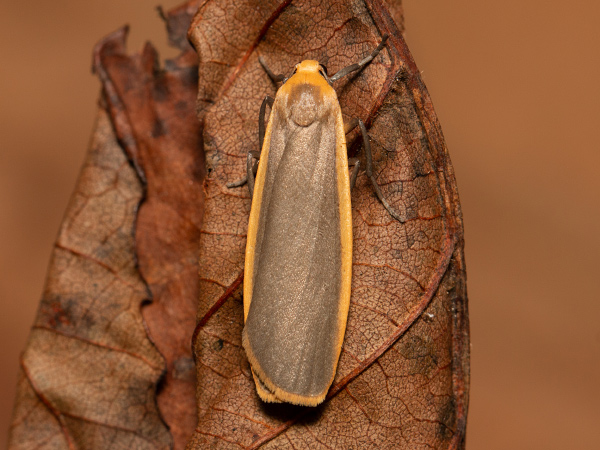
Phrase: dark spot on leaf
pixel 218 345
pixel 410 239
pixel 421 354
pixel 197 170
pixel 181 105
pixel 447 420
pixel 57 312
pixel 159 129
pixel 190 76
pixel 161 90
pixel 414 347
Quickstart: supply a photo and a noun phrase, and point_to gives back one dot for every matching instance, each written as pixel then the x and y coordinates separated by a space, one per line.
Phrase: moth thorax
pixel 305 104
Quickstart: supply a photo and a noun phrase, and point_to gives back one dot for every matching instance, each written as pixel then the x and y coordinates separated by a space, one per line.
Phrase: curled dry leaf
pixel 402 379
pixel 154 115
pixel 90 373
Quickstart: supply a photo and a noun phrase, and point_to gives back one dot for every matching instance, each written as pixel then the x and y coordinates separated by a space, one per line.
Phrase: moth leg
pixel 261 119
pixel 237 183
pixel 276 78
pixel 348 127
pixel 356 163
pixel 354 67
pixel 251 166
pixel 252 154
pixel 251 169
pixel 395 214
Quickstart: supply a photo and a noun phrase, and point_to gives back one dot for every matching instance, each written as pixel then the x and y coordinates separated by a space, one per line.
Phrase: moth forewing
pixel 298 265
pixel 299 249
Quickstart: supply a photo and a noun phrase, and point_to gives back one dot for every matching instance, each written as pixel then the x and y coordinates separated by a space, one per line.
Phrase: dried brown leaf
pixel 402 380
pixel 153 112
pixel 90 372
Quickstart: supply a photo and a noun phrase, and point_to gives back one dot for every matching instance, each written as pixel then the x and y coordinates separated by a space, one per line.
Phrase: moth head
pixel 309 68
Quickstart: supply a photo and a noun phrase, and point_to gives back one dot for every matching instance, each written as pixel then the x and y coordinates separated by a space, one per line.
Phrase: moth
pixel 298 264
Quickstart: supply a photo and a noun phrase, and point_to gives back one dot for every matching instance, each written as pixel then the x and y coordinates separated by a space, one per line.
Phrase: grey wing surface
pixel 292 324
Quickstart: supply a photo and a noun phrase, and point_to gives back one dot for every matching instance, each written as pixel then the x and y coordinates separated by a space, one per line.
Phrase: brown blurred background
pixel 516 86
